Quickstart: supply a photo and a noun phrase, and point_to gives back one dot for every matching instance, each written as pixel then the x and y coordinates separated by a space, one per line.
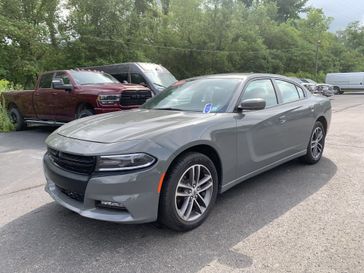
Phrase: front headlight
pixel 124 162
pixel 108 99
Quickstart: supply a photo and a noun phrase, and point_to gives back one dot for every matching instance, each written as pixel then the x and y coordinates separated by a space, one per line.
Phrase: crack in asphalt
pixel 347 108
pixel 25 189
pixel 344 145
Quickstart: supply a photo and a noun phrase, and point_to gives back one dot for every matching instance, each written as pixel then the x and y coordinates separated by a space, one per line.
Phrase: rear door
pixel 297 116
pixel 259 133
pixel 65 101
pixel 44 98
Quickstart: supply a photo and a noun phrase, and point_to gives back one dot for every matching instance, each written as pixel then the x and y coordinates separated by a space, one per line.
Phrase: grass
pixel 5 123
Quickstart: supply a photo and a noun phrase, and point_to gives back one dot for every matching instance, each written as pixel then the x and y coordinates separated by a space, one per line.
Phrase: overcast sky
pixel 343 11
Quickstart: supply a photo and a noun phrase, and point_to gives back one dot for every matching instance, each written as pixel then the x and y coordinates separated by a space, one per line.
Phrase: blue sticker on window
pixel 207 108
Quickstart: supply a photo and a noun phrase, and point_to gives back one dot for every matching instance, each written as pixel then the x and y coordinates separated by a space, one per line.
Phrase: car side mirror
pixel 252 104
pixel 60 85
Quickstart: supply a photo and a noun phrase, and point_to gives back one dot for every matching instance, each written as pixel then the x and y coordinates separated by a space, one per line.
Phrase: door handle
pixel 54 94
pixel 282 119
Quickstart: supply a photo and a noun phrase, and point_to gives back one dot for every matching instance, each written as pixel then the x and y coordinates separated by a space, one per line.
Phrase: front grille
pixel 71 194
pixel 74 163
pixel 136 97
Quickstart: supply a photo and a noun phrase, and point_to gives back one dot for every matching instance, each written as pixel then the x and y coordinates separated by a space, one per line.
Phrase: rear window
pixel 300 92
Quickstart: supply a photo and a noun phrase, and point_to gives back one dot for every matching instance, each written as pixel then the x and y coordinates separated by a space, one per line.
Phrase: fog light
pixel 111 205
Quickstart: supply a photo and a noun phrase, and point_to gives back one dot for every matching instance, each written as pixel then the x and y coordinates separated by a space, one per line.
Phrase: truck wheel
pixel 17 119
pixel 85 113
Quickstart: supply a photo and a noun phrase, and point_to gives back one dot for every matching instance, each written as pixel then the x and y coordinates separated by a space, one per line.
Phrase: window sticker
pixel 207 108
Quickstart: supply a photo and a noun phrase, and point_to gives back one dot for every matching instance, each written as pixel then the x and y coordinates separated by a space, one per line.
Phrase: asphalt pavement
pixel 295 218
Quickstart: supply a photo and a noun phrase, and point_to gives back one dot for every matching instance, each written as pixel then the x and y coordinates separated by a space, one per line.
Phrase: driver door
pixel 66 101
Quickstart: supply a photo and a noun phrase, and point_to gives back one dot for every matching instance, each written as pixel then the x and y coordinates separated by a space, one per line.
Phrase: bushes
pixel 5 123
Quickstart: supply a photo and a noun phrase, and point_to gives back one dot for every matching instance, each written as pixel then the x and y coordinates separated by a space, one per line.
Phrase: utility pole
pixel 316 59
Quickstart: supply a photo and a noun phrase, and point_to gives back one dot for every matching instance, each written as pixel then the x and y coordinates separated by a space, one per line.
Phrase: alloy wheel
pixel 317 142
pixel 193 193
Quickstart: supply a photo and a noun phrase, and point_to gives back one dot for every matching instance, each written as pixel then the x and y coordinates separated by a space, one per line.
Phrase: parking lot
pixel 295 218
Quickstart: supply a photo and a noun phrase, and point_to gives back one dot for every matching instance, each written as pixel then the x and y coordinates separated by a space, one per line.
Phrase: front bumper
pixel 137 192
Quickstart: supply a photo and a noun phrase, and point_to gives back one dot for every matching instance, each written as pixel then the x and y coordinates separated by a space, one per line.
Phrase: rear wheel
pixel 316 145
pixel 17 119
pixel 189 192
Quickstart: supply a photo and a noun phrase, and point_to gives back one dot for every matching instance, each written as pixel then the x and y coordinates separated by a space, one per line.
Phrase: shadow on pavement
pixel 31 138
pixel 53 239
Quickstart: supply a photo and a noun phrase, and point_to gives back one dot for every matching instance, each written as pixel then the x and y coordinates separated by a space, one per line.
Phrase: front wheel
pixel 316 145
pixel 189 192
pixel 85 113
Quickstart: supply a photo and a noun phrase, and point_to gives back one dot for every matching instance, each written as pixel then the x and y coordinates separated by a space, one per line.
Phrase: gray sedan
pixel 168 160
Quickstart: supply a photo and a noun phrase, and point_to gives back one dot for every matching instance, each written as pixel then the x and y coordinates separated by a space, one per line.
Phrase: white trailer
pixel 342 81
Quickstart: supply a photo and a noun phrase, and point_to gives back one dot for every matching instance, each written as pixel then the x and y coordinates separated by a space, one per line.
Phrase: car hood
pixel 107 88
pixel 129 125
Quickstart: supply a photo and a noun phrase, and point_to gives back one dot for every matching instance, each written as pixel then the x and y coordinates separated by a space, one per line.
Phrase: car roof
pixel 242 76
pixel 72 70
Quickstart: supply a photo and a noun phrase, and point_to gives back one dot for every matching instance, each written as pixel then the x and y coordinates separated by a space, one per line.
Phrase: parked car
pixel 342 81
pixel 168 160
pixel 325 89
pixel 310 86
pixel 62 96
pixel 316 88
pixel 154 76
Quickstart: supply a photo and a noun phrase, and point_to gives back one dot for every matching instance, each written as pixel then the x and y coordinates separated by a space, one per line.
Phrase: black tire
pixel 86 112
pixel 337 90
pixel 168 214
pixel 311 156
pixel 17 119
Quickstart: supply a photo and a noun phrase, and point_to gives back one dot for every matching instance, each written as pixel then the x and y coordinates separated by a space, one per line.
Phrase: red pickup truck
pixel 62 96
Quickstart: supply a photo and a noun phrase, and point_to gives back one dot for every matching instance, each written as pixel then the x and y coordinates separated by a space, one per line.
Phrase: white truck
pixel 342 81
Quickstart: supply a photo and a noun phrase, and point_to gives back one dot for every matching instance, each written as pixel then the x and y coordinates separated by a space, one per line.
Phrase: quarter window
pixel 46 81
pixel 261 89
pixel 288 91
pixel 300 92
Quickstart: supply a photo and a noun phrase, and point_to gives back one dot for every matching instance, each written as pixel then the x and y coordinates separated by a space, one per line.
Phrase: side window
pixel 300 92
pixel 261 89
pixel 63 76
pixel 46 80
pixel 122 77
pixel 137 78
pixel 288 91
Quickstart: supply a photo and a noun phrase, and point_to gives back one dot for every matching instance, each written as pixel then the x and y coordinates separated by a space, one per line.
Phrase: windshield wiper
pixel 159 85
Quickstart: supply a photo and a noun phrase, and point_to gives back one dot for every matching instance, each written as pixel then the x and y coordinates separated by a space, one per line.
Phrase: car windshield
pixel 200 95
pixel 159 79
pixel 90 77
